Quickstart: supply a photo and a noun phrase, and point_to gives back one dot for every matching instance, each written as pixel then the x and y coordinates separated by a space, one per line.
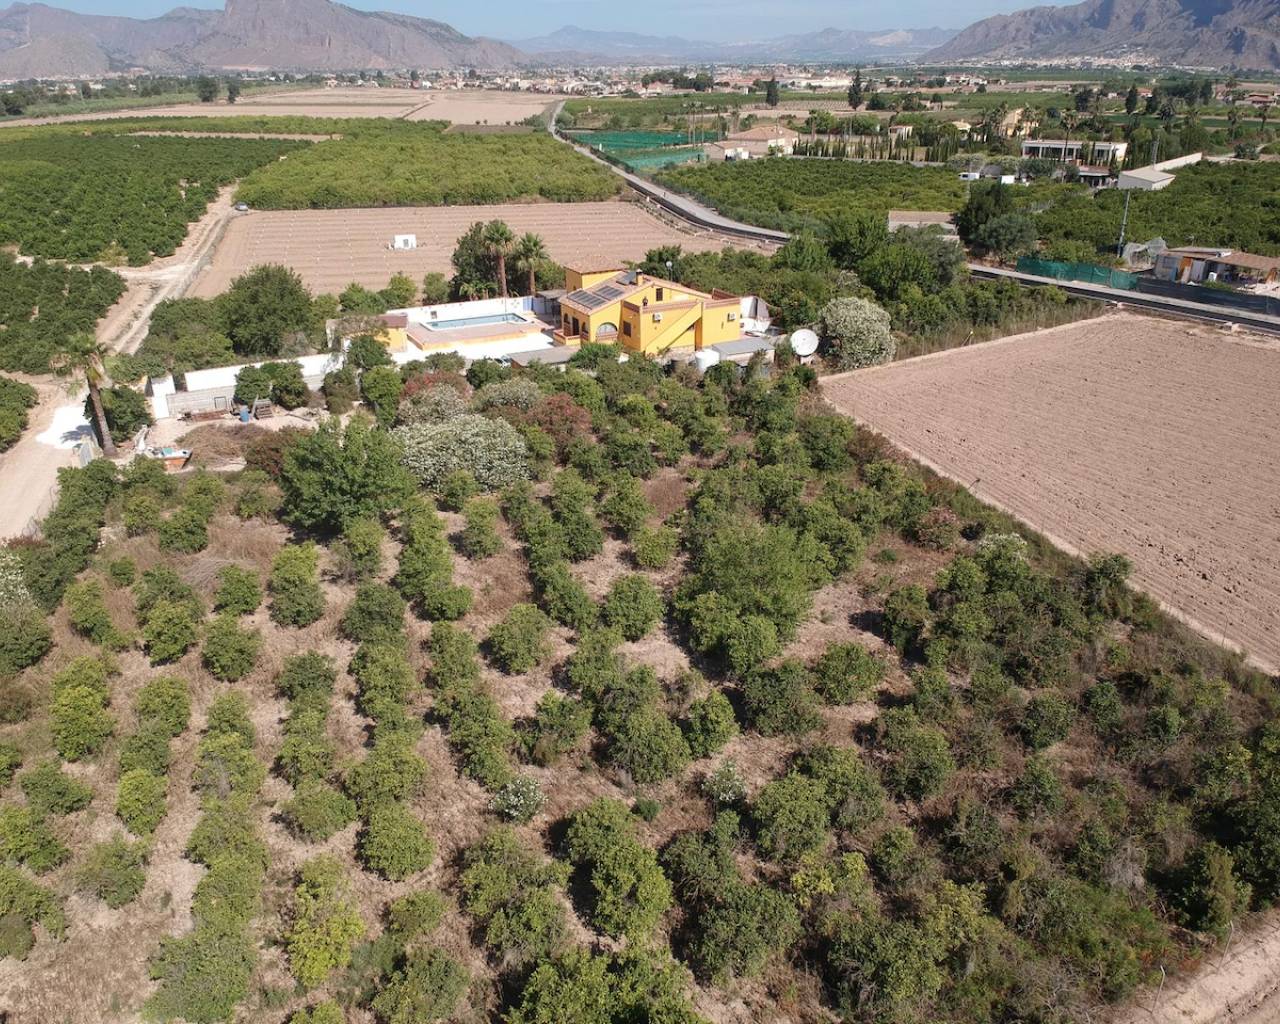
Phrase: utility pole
pixel 1124 222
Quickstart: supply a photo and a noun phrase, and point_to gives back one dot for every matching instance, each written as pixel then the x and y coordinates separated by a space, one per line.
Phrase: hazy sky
pixel 727 20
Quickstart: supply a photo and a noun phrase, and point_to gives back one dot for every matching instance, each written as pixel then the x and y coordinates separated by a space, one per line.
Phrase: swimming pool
pixel 474 321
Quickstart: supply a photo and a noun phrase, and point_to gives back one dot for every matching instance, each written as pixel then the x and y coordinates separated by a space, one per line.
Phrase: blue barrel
pixel 244 414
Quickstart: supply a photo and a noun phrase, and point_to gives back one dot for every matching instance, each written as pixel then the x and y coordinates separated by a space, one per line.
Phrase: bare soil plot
pixel 481 106
pixel 332 248
pixel 1123 433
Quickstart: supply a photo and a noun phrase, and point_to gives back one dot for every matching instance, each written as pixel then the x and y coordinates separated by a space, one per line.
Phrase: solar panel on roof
pixel 610 292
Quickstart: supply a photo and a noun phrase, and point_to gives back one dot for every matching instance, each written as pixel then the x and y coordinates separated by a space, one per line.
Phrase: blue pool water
pixel 474 321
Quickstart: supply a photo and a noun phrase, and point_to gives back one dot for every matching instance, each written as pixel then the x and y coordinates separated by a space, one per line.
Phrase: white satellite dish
pixel 804 342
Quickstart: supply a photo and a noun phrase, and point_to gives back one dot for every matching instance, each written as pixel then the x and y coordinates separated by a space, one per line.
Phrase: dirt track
pixel 1124 433
pixel 332 248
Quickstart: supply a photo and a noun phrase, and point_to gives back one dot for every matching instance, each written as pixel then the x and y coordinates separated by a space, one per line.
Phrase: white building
pixel 1074 150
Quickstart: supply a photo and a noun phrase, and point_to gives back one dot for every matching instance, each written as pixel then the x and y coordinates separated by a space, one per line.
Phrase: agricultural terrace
pixel 404 716
pixel 329 248
pixel 114 197
pixel 1146 437
pixel 794 194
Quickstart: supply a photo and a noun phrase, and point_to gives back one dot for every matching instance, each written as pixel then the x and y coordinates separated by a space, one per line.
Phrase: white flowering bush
pixel 519 800
pixel 518 392
pixel 856 332
pixel 492 450
pixel 13 586
pixel 432 405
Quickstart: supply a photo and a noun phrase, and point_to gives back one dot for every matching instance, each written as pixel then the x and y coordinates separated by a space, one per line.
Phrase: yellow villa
pixel 644 314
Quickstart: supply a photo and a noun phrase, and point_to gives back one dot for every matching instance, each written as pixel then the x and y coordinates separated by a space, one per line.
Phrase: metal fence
pixel 1090 273
pixel 1243 301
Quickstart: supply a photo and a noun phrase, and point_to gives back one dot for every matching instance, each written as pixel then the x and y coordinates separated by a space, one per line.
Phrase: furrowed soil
pixel 1123 434
pixel 332 248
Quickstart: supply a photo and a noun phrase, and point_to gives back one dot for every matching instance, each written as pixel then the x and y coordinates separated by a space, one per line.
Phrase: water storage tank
pixel 704 359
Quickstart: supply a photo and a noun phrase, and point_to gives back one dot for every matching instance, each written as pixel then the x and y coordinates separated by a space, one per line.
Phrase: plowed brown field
pixel 1123 433
pixel 332 248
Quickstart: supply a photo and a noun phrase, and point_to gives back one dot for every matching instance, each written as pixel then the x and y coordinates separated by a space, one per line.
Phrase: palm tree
pixel 498 239
pixel 84 356
pixel 530 253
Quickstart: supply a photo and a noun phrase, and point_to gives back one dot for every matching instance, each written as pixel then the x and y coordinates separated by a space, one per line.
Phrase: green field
pixel 397 164
pixel 795 194
pixel 1236 205
pixel 106 195
pixel 647 151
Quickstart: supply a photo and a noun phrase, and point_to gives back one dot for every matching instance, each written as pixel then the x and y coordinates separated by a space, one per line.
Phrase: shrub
pixel 630 892
pixel 141 513
pixel 514 895
pixel 307 752
pixel 565 598
pixel 140 801
pixel 427 988
pixel 725 787
pixel 791 817
pixel 391 772
pixel 163 704
pixel 852 791
pixel 225 764
pixel 557 727
pixel 430 406
pixel 906 616
pixel 922 763
pixel 89 672
pixel 79 722
pixel 169 632
pixel 239 591
pixel 632 606
pixel 122 572
pixel 113 872
pixel 49 790
pixel 23 904
pixel 518 642
pixel 163 584
pixel 626 508
pixel 317 811
pixel 385 680
pixel 516 393
pixel 296 597
pixel 185 530
pixel 654 547
pixel 147 748
pixel 846 673
pixel 25 638
pixel 648 746
pixel 229 651
pixel 710 724
pixel 10 762
pixel 1046 720
pixel 492 450
pixel 27 840
pixel 394 844
pixel 939 528
pixel 334 475
pixel 307 677
pixel 380 387
pixel 857 333
pixel 519 800
pixel 781 701
pixel 457 489
pixel 479 539
pixel 1210 896
pixel 324 923
pixel 415 915
pixel 327 1012
pixel 1038 790
pixel 376 615
pixel 88 615
pixel 359 550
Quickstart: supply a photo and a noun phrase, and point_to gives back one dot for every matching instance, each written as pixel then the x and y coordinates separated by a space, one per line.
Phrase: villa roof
pixel 593 263
pixel 619 288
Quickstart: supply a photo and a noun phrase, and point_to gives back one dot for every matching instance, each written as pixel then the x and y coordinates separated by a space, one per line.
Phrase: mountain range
pixel 572 43
pixel 1210 33
pixel 292 35
pixel 39 41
